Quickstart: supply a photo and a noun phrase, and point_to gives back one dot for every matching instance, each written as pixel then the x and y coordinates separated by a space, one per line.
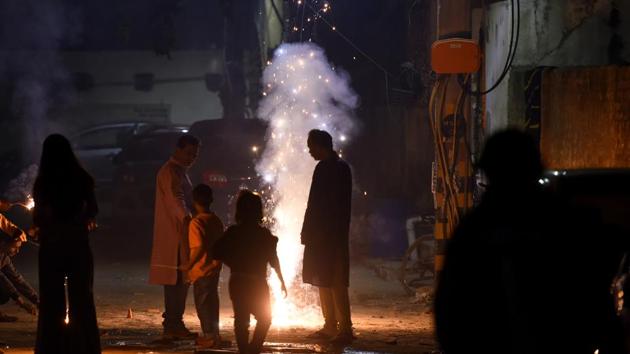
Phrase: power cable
pixel 386 73
pixel 277 12
pixel 345 38
pixel 302 21
pixel 514 39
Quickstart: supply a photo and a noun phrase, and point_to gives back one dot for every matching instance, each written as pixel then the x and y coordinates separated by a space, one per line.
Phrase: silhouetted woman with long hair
pixel 65 207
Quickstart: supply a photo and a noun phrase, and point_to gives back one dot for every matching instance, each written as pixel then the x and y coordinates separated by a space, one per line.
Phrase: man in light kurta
pixel 170 240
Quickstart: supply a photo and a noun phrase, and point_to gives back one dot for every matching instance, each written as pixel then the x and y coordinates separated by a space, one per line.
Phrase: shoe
pixel 7 318
pixel 323 333
pixel 181 333
pixel 343 338
pixel 208 342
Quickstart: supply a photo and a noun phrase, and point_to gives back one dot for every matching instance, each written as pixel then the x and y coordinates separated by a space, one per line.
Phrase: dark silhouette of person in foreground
pixel 519 276
pixel 325 238
pixel 247 248
pixel 65 208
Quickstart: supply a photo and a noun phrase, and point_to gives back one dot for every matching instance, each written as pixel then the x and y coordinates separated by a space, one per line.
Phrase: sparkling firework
pixel 302 92
pixel 28 204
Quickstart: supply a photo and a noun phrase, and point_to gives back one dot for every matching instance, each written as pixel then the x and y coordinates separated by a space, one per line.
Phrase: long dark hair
pixel 61 184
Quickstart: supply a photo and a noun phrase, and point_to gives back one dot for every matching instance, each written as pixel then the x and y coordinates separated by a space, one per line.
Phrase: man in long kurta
pixel 170 240
pixel 325 237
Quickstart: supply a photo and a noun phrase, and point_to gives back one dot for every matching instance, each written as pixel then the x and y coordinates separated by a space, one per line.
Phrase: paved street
pixel 385 319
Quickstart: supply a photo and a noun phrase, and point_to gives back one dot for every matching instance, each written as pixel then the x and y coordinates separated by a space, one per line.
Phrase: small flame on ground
pixel 30 203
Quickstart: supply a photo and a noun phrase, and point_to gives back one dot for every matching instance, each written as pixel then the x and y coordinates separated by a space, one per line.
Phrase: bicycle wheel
pixel 417 266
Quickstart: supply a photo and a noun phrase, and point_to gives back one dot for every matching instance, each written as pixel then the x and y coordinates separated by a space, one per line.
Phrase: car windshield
pixel 158 147
pixel 105 138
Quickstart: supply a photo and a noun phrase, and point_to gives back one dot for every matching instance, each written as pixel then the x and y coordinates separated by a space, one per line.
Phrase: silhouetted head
pixel 57 157
pixel 202 196
pixel 187 149
pixel 320 144
pixel 249 208
pixel 511 159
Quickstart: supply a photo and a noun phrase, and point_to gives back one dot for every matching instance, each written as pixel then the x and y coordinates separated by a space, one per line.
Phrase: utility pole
pixel 450 119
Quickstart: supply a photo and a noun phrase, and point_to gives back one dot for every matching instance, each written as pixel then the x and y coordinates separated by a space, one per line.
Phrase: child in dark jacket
pixel 247 248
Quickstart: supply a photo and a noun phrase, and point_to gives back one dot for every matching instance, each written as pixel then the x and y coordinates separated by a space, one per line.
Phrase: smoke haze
pixel 301 92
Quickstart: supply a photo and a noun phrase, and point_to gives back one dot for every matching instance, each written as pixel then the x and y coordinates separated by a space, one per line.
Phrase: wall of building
pixel 589 118
pixel 184 97
pixel 554 33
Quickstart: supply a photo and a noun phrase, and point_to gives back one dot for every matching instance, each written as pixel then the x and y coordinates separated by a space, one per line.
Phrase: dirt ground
pixel 386 320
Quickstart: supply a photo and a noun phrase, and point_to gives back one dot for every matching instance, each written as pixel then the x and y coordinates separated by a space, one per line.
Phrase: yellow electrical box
pixel 455 56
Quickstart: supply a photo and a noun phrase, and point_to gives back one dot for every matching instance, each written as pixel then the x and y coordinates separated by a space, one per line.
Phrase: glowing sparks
pixel 294 105
pixel 30 203
pixel 65 286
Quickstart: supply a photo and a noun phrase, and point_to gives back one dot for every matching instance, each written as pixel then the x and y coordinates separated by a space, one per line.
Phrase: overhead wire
pixel 302 21
pixel 386 73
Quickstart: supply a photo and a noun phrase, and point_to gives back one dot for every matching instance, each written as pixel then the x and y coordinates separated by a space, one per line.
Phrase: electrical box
pixel 455 56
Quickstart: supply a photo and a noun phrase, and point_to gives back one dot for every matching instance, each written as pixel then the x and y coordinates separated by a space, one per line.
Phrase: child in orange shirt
pixel 203 271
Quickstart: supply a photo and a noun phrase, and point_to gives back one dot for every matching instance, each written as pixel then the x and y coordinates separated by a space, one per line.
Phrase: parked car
pixel 603 196
pixel 96 147
pixel 227 158
pixel 137 165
